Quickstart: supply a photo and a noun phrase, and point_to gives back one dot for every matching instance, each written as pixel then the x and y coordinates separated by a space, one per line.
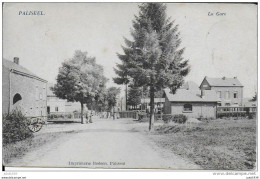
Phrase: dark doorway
pixel 17 97
pixel 48 109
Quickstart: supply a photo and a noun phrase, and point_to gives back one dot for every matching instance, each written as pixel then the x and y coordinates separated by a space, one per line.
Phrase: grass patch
pixel 20 148
pixel 216 145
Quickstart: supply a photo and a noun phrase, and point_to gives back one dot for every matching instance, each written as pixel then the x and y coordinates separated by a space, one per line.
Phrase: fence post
pixel 237 113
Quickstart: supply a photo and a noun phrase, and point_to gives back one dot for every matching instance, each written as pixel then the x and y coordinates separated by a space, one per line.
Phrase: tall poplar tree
pixel 154 57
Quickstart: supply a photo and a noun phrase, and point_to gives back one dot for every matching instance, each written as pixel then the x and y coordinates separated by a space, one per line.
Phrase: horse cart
pixel 35 124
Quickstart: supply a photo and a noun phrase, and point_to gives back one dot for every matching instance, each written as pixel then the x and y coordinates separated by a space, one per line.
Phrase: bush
pixel 167 118
pixel 252 116
pixel 180 118
pixel 60 116
pixel 15 127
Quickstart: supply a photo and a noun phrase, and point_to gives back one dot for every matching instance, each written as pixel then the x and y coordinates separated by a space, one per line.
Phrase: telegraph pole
pixel 126 96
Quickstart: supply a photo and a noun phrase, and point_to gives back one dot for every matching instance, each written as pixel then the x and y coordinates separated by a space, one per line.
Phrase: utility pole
pixel 161 104
pixel 126 96
pixel 142 98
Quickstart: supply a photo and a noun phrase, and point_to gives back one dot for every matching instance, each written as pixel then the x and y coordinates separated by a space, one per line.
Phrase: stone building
pixel 229 90
pixel 191 103
pixel 23 90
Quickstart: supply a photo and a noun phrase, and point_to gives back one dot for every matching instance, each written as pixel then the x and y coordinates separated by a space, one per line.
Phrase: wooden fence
pixel 128 114
pixel 135 115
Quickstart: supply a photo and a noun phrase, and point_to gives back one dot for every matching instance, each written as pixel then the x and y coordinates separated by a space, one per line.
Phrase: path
pixel 106 143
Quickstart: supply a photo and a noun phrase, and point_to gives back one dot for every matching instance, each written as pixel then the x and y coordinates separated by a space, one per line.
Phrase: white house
pixel 56 105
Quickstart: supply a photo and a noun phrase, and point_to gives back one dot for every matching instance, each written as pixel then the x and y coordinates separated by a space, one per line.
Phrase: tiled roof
pixel 223 81
pixel 190 85
pixel 18 68
pixel 183 95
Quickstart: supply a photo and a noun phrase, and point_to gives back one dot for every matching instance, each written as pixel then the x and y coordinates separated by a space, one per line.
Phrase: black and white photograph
pixel 137 85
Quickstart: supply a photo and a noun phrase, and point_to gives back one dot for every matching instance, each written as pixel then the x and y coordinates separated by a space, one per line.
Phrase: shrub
pixel 252 116
pixel 167 118
pixel 180 118
pixel 59 116
pixel 15 127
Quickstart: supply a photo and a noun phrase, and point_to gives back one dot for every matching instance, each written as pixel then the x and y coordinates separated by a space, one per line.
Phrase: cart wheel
pixel 35 127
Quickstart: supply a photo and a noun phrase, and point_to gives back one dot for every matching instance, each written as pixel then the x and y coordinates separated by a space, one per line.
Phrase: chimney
pixel 16 60
pixel 223 78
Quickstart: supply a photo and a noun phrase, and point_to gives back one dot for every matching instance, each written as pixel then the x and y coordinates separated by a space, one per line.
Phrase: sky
pixel 216 46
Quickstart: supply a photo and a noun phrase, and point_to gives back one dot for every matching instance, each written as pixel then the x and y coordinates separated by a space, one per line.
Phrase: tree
pixel 98 103
pixel 79 79
pixel 254 97
pixel 154 57
pixel 134 95
pixel 111 97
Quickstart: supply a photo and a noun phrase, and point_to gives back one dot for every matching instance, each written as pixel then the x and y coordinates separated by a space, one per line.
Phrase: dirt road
pixel 106 143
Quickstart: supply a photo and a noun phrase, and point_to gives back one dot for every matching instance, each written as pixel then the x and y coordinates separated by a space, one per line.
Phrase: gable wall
pixel 231 91
pixel 30 90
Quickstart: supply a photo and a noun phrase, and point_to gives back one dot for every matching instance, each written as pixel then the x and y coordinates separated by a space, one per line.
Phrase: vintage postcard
pixel 130 86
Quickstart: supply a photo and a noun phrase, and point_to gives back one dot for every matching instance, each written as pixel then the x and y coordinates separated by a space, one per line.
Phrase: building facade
pixel 56 105
pixel 191 103
pixel 23 90
pixel 229 90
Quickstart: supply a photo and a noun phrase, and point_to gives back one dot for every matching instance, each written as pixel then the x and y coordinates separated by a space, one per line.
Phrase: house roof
pixel 183 95
pixel 156 100
pixel 20 69
pixel 223 81
pixel 190 85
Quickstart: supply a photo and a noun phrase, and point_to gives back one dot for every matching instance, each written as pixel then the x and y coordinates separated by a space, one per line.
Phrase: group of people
pixel 106 115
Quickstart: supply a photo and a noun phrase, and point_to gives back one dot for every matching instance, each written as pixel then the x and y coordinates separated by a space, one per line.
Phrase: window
pixel 187 107
pixel 235 95
pixel 56 109
pixel 227 95
pixel 204 86
pixel 219 94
